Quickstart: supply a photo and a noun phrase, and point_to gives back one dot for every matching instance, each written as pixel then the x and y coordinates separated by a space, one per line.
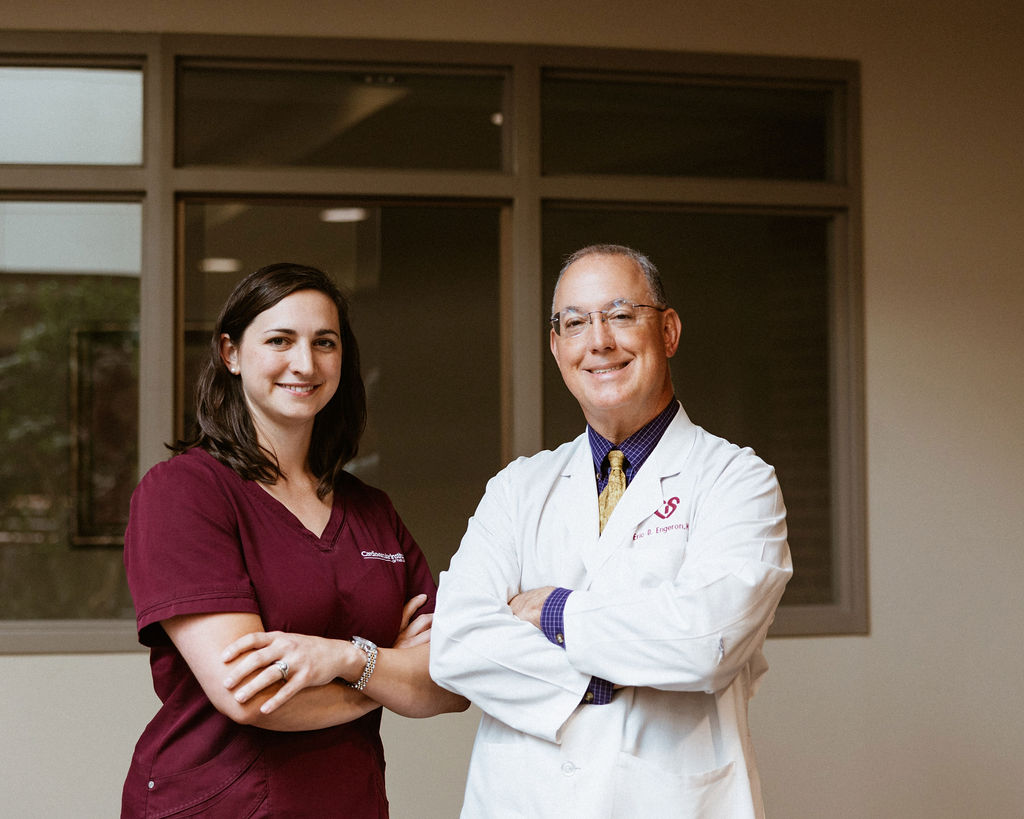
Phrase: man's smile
pixel 610 369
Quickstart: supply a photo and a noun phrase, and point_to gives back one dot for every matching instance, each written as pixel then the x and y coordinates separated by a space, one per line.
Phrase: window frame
pixel 523 190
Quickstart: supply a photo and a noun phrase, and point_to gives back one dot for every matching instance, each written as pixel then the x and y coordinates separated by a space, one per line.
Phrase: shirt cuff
pixel 552 616
pixel 599 692
pixel 552 623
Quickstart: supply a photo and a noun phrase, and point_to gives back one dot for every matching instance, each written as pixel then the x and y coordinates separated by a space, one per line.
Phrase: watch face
pixel 364 644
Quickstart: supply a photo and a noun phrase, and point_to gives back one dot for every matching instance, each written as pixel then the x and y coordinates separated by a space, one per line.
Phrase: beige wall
pixel 923 718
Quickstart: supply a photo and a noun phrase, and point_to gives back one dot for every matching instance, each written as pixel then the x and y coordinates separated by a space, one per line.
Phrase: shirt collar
pixel 637 447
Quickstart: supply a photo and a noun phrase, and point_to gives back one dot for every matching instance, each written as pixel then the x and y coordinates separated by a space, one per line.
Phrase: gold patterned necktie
pixel 613 491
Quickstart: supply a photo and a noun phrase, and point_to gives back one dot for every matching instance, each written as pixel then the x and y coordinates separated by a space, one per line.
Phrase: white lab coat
pixel 671 602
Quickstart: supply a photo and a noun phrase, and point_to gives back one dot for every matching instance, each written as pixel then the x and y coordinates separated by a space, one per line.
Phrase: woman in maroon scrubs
pixel 265 578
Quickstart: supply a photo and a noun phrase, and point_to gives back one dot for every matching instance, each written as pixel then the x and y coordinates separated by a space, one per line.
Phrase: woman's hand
pixel 414 631
pixel 311 661
pixel 201 639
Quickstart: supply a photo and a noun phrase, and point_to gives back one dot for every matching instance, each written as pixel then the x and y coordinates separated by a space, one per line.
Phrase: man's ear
pixel 554 344
pixel 229 353
pixel 672 327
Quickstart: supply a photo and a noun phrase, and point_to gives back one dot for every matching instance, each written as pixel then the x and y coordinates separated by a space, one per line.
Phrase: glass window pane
pixel 611 126
pixel 752 365
pixel 71 237
pixel 73 116
pixel 69 418
pixel 339 117
pixel 424 287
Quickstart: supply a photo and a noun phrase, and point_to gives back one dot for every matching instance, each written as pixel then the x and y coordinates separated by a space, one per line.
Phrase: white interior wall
pixel 922 718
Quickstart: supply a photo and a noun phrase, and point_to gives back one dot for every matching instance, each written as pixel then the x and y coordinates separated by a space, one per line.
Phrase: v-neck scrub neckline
pixel 326 539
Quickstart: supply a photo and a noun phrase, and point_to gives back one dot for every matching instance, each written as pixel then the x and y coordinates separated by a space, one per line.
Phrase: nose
pixel 302 358
pixel 599 333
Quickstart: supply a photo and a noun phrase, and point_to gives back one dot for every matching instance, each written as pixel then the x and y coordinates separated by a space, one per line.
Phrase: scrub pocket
pixel 232 785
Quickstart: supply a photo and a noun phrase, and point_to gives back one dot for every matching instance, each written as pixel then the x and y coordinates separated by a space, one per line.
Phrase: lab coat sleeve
pixel 695 631
pixel 479 649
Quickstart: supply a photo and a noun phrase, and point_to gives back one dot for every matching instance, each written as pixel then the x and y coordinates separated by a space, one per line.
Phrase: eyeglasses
pixel 621 315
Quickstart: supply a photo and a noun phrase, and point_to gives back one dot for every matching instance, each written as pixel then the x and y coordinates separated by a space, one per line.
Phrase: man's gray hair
pixel 647 267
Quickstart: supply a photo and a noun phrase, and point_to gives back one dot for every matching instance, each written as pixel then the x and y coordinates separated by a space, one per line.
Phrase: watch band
pixel 370 649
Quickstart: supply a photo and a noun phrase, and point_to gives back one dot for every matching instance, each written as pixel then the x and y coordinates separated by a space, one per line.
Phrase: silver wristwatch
pixel 370 650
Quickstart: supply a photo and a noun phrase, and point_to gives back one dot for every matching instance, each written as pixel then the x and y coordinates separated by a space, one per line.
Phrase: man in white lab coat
pixel 614 661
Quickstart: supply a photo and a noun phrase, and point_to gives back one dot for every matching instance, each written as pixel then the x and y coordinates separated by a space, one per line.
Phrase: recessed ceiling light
pixel 343 215
pixel 216 265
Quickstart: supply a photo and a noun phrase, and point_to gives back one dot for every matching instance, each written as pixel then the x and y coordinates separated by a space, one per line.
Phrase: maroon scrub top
pixel 200 539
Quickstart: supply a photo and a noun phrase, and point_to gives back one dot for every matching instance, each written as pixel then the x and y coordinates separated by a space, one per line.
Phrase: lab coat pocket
pixel 494 786
pixel 645 789
pixel 644 566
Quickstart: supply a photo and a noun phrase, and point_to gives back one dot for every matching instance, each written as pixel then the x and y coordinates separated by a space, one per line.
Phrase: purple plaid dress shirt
pixel 635 449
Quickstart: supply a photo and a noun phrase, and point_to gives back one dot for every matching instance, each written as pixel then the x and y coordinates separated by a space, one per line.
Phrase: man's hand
pixel 527 605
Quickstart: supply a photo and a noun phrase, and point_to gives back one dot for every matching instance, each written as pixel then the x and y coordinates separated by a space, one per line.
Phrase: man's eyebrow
pixel 612 303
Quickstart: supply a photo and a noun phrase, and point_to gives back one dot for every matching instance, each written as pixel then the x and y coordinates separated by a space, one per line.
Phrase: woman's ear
pixel 229 353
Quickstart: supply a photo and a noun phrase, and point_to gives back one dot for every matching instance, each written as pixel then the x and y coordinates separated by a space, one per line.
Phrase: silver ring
pixel 282 666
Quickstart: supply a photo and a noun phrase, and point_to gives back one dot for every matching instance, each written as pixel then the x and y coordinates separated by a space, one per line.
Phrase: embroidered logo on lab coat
pixel 668 508
pixel 666 511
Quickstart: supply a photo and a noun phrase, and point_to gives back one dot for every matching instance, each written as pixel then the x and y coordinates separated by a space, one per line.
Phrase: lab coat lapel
pixel 645 494
pixel 577 503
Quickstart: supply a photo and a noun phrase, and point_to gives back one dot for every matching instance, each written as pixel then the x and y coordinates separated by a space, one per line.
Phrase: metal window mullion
pixel 65 180
pixel 332 183
pixel 689 190
pixel 157 299
pixel 521 297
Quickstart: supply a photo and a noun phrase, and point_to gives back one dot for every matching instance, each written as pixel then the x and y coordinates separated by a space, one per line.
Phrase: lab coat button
pixel 568 768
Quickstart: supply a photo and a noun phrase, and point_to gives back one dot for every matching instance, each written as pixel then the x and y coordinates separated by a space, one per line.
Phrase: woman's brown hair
pixel 223 425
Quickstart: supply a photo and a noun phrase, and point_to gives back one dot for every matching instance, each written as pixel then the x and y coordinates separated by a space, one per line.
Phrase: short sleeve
pixel 183 553
pixel 418 577
pixel 392 569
